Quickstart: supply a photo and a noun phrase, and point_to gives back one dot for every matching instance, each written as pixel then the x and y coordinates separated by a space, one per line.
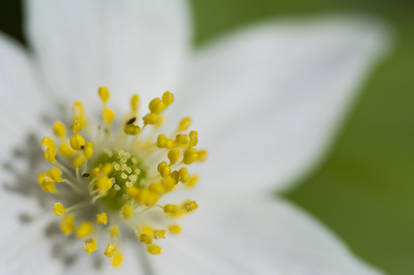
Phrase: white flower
pixel 266 100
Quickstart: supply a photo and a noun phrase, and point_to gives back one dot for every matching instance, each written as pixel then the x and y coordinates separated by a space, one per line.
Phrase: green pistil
pixel 127 171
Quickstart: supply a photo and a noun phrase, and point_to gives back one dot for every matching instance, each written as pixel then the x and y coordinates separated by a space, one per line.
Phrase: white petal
pixel 25 251
pixel 20 105
pixel 127 45
pixel 255 237
pixel 24 248
pixel 20 99
pixel 270 97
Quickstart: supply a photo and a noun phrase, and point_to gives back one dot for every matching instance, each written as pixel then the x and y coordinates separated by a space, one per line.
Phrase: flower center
pixel 126 173
pixel 112 178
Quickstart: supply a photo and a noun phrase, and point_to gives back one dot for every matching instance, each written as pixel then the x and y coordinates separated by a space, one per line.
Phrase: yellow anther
pixel 42 176
pixel 104 94
pixel 106 169
pixel 117 259
pixel 145 229
pixel 174 155
pixel 108 115
pixel 183 173
pixel 202 155
pixel 50 154
pixel 190 155
pixel 127 211
pixel 110 250
pixel 161 141
pixel 164 169
pixel 192 181
pixel 95 172
pixel 79 119
pixel 134 103
pixel 159 234
pixel 102 218
pixel 184 124
pixel 145 238
pixel 90 245
pixel 114 231
pixel 84 229
pixel 77 109
pixel 171 208
pixel 48 186
pixel 133 192
pixel 175 176
pixel 193 138
pixel 154 249
pixel 47 142
pixel 157 188
pixel 169 144
pixel 66 150
pixel 88 150
pixel 59 209
pixel 78 161
pixel 182 140
pixel 47 183
pixel 59 129
pixel 160 121
pixel 77 142
pixel 167 98
pixel 131 129
pixel 156 106
pixel 174 229
pixel 55 174
pixel 189 206
pixel 151 118
pixel 67 224
pixel 77 125
pixel 168 183
pixel 147 197
pixel 104 184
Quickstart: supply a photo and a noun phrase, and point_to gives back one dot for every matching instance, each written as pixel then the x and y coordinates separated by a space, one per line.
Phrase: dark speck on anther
pixel 131 120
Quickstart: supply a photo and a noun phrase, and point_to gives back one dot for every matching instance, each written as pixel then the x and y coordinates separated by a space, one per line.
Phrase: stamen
pixel 90 245
pixel 154 249
pixel 167 98
pixel 59 129
pixel 108 115
pixel 104 94
pixel 114 231
pixel 174 155
pixel 185 123
pixel 127 211
pixel 84 230
pixel 67 225
pixel 47 142
pixel 77 142
pixel 102 218
pixel 145 238
pixel 59 209
pixel 117 259
pixel 134 104
pixel 110 250
pixel 174 229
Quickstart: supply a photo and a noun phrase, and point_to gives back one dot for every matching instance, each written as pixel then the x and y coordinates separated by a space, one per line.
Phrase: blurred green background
pixel 364 189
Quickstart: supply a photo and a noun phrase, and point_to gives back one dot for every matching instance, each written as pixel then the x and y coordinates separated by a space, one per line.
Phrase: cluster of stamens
pixel 114 176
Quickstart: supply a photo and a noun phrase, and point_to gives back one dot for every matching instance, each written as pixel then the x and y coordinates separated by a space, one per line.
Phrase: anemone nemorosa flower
pixel 265 101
